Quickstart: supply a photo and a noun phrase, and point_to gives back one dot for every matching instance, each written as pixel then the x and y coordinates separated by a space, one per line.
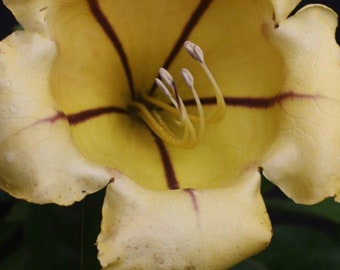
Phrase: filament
pixel 171 120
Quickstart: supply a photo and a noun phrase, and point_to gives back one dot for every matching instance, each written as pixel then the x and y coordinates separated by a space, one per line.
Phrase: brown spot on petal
pixel 260 170
pixel 157 259
pixel 42 9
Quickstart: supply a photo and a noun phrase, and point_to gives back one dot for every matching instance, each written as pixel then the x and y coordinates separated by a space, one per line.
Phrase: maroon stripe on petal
pixel 190 25
pixel 51 119
pixel 85 115
pixel 112 35
pixel 193 197
pixel 194 19
pixel 253 102
pixel 265 102
pixel 167 164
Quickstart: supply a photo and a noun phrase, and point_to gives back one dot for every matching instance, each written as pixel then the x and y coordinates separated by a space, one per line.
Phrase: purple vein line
pixel 253 102
pixel 170 174
pixel 193 197
pixel 190 25
pixel 246 102
pixel 82 116
pixel 112 35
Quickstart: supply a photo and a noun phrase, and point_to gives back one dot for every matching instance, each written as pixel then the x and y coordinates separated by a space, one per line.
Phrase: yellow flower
pixel 80 110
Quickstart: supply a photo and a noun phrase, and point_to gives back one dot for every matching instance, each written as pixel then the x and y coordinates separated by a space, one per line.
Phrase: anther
pixel 161 86
pixel 166 77
pixel 194 51
pixel 188 78
pixel 165 90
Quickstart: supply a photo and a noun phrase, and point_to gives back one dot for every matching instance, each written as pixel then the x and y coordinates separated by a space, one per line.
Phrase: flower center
pixel 170 120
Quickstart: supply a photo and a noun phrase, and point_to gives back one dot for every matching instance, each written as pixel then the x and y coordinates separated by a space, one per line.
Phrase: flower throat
pixel 171 120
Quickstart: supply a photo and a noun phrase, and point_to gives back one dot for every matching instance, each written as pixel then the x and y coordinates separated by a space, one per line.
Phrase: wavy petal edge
pixel 182 229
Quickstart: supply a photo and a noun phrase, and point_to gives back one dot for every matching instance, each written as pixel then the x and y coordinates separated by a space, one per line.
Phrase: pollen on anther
pixel 188 78
pixel 161 86
pixel 194 51
pixel 165 90
pixel 166 77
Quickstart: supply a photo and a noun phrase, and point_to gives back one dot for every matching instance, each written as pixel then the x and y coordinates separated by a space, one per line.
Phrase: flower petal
pixel 282 8
pixel 31 14
pixel 234 44
pixel 304 161
pixel 38 160
pixel 182 229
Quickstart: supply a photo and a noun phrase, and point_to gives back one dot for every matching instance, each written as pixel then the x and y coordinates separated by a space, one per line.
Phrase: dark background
pixel 34 237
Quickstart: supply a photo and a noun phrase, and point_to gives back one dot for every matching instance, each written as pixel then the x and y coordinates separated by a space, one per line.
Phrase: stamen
pixel 166 76
pixel 165 90
pixel 151 121
pixel 189 136
pixel 196 52
pixel 189 80
pixel 220 102
pixel 171 120
pixel 155 121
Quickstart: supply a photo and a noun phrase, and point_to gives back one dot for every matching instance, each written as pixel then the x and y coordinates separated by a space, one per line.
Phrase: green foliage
pixel 40 237
pixel 304 237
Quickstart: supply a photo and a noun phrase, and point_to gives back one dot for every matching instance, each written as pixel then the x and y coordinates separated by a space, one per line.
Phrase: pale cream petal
pixel 38 160
pixel 182 229
pixel 282 8
pixel 305 159
pixel 31 14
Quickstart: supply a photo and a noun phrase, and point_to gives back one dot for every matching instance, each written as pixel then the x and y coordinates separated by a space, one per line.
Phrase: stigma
pixel 170 120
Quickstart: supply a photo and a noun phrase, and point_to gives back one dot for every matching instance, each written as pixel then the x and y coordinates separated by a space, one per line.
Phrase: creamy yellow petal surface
pixel 182 229
pixel 234 44
pixel 283 8
pixel 235 41
pixel 304 160
pixel 38 159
